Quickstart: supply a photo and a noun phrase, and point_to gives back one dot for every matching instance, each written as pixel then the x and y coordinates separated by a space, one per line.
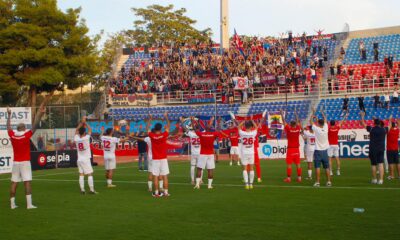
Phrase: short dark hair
pixel 158 127
pixel 377 122
pixel 248 124
pixel 332 122
pixel 292 123
pixel 321 122
pixel 109 131
pixel 82 130
pixel 393 124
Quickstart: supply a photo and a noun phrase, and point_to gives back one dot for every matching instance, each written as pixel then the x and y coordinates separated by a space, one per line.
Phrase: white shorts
pixel 309 155
pixel 333 151
pixel 85 167
pixel 247 159
pixel 160 167
pixel 206 161
pixel 194 159
pixel 110 163
pixel 21 171
pixel 234 151
pixel 150 165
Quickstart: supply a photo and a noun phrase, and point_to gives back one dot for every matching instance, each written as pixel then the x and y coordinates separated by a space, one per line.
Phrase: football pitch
pixel 272 210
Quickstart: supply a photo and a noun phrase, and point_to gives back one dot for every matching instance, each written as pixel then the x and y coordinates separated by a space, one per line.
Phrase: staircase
pixel 120 63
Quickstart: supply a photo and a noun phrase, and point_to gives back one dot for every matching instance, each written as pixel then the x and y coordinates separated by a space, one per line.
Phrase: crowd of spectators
pixel 294 64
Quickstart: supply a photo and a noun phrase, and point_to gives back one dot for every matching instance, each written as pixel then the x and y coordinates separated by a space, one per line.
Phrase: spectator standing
pixel 345 104
pixel 377 101
pixel 395 96
pixel 142 150
pixel 361 103
pixel 387 100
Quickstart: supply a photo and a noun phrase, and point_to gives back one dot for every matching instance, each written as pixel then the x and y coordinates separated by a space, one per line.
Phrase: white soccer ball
pixel 122 123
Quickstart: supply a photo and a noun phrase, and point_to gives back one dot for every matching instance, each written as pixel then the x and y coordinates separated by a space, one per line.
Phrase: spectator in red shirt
pixel 21 169
pixel 293 131
pixel 392 147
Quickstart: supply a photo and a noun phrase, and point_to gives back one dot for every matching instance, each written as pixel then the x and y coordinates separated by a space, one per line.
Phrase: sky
pixel 249 17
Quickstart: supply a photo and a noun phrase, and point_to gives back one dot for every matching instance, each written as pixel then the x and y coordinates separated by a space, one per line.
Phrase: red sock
pixel 289 172
pixel 299 172
pixel 257 163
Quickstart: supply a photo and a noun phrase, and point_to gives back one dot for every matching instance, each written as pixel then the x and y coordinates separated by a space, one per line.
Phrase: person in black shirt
pixel 142 150
pixel 377 101
pixel 361 103
pixel 345 104
pixel 376 148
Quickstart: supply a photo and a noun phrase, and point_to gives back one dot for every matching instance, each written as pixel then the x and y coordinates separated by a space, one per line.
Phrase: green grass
pixel 273 210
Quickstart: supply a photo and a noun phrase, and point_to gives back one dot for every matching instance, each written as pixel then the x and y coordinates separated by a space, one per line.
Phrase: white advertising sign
pixel 18 115
pixel 276 149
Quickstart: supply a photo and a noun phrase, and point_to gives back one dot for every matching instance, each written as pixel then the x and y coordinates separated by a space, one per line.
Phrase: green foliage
pixel 159 24
pixel 43 48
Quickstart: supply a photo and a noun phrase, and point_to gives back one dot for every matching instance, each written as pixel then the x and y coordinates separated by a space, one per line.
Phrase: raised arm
pixel 88 127
pixel 148 123
pixel 168 126
pixel 312 117
pixel 42 110
pixel 324 116
pixel 362 119
pixel 298 120
pixel 9 119
pixel 77 128
pixel 343 120
pixel 283 118
pixel 390 122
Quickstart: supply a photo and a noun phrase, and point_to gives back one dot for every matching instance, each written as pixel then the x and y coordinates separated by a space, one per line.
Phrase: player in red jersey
pixel 293 131
pixel 234 152
pixel 333 137
pixel 206 159
pixel 392 147
pixel 159 154
pixel 21 169
pixel 262 130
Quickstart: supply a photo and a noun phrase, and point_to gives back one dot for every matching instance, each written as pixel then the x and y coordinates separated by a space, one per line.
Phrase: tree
pixel 43 48
pixel 110 49
pixel 159 24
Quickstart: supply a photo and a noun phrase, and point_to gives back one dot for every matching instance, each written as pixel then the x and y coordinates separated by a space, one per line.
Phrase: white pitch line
pixel 232 185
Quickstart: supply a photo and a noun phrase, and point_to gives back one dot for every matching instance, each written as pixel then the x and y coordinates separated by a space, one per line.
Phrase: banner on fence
pixel 139 99
pixel 205 80
pixel 268 79
pixel 240 83
pixel 18 115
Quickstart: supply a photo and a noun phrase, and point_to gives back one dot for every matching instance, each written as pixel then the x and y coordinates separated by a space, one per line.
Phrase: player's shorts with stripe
pixel 21 172
pixel 333 151
pixel 110 163
pixel 247 159
pixel 234 150
pixel 293 156
pixel 160 167
pixel 206 161
pixel 194 158
pixel 85 167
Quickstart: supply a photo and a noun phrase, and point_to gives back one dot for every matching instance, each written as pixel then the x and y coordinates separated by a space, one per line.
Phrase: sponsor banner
pixel 277 149
pixel 353 135
pixel 240 83
pixel 201 98
pixel 268 79
pixel 18 115
pixel 359 149
pixel 205 80
pixel 49 159
pixel 139 99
